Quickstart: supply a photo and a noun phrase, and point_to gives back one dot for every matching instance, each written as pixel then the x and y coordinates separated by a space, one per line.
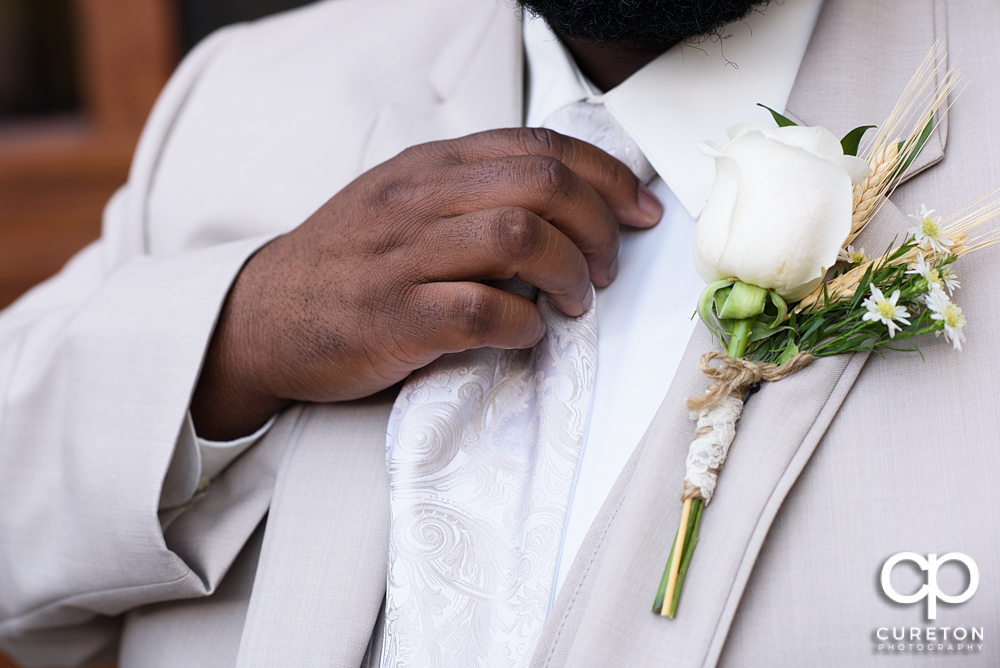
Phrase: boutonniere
pixel 787 206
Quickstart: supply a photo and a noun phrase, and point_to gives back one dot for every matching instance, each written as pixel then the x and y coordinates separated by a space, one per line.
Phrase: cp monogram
pixel 930 590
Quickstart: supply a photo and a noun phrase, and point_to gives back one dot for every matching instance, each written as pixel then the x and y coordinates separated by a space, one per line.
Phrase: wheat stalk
pixel 963 228
pixel 923 102
pixel 886 154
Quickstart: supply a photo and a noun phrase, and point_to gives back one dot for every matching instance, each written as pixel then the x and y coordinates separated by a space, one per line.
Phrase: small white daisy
pixel 929 231
pixel 934 299
pixel 949 314
pixel 885 311
pixel 928 272
pixel 920 267
pixel 851 256
pixel 950 280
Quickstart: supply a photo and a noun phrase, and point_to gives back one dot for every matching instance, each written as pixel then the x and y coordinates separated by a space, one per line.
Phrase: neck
pixel 607 65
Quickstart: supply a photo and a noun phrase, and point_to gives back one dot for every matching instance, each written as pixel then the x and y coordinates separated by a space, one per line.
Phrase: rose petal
pixel 856 168
pixel 792 214
pixel 816 139
pixel 713 226
pixel 737 129
pixel 712 149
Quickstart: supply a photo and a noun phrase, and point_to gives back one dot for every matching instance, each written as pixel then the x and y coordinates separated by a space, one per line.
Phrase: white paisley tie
pixel 482 452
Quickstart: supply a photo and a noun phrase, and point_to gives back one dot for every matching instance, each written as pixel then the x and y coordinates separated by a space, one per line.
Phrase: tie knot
pixel 592 122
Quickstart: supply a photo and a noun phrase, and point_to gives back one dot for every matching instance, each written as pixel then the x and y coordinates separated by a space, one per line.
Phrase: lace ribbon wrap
pixel 715 433
pixel 717 411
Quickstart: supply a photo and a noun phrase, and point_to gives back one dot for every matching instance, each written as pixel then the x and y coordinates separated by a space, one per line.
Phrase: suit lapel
pixel 478 81
pixel 851 75
pixel 602 615
pixel 855 69
pixel 321 574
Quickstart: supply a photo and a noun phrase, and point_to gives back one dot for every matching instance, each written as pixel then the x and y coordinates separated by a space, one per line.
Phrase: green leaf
pixel 862 288
pixel 779 304
pixel 915 150
pixel 720 298
pixel 853 138
pixel 763 331
pixel 705 303
pixel 899 252
pixel 810 330
pixel 778 118
pixel 744 301
pixel 856 342
pixel 790 351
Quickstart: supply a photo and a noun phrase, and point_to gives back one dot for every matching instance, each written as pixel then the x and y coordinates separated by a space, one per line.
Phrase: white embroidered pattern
pixel 482 451
pixel 708 452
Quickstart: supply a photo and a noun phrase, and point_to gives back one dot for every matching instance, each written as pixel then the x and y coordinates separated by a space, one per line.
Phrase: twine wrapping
pixel 734 376
pixel 717 411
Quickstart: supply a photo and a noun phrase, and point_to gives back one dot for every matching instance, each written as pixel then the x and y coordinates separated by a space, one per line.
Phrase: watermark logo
pixel 930 589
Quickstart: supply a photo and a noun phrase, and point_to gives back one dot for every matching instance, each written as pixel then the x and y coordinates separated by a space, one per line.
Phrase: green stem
pixel 738 341
pixel 857 329
pixel 740 337
pixel 691 537
pixel 690 541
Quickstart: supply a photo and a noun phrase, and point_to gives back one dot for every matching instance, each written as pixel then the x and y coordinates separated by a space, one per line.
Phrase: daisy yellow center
pixel 930 227
pixel 886 309
pixel 934 276
pixel 856 257
pixel 953 316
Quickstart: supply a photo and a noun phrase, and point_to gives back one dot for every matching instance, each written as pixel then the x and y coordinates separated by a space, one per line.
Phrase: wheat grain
pixel 867 195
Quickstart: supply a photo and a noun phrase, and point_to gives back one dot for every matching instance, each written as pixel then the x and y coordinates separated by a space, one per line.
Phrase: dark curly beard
pixel 639 22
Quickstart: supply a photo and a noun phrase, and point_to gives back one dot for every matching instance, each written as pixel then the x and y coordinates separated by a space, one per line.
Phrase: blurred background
pixel 77 80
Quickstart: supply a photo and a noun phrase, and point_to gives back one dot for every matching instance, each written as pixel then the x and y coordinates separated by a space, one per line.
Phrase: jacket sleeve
pixel 97 367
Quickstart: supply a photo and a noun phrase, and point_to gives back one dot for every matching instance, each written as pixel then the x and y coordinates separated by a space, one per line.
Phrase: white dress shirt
pixel 645 318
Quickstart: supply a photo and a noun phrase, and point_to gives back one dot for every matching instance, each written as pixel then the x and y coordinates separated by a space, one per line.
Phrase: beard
pixel 639 22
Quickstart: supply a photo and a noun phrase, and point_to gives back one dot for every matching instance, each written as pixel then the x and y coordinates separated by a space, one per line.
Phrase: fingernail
pixel 613 270
pixel 649 204
pixel 589 299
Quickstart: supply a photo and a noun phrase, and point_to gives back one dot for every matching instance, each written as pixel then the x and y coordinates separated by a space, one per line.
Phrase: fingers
pixel 630 201
pixel 508 242
pixel 458 316
pixel 555 193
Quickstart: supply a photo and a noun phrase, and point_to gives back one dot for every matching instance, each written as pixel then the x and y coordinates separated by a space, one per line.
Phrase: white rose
pixel 780 209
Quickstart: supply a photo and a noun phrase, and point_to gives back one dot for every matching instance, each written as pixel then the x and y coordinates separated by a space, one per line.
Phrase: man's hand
pixel 385 277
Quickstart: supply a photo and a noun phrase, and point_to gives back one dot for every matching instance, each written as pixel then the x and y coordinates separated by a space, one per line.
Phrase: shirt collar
pixel 690 93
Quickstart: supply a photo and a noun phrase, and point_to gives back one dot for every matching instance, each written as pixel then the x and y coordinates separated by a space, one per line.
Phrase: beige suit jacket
pixel 833 470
